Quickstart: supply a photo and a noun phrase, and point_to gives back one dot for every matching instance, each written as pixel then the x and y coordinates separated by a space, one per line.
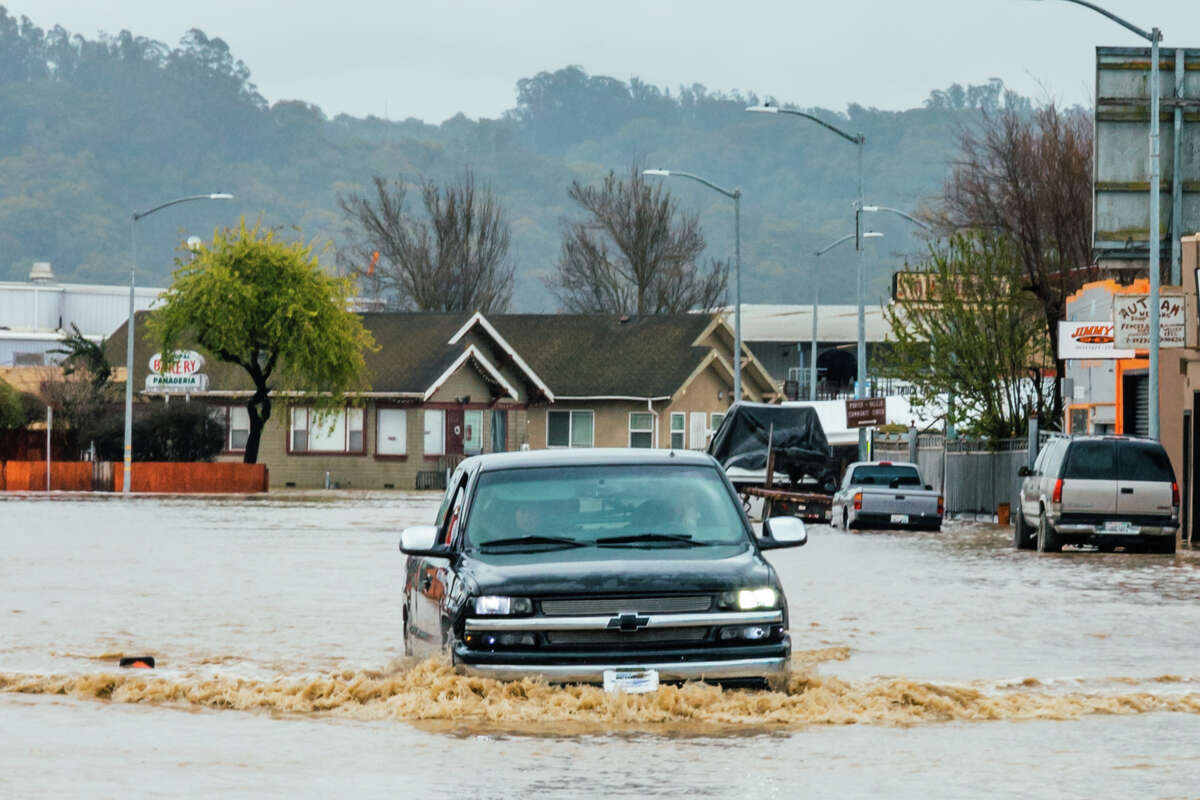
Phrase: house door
pixel 454 431
pixel 1137 403
pixel 697 429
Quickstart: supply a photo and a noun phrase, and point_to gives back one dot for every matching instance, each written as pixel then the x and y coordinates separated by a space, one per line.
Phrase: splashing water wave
pixel 431 692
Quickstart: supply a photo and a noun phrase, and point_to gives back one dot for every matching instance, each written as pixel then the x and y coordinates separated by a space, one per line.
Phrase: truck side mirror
pixel 421 540
pixel 782 532
pixel 1024 471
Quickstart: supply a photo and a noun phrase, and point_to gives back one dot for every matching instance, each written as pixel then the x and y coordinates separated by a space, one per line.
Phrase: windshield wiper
pixel 650 538
pixel 560 541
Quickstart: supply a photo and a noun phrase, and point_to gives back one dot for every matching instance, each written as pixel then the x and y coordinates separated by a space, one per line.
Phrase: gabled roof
pixel 478 320
pixel 595 355
pixel 486 369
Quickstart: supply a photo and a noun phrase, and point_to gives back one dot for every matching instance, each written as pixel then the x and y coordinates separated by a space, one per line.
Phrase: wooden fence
pixel 147 476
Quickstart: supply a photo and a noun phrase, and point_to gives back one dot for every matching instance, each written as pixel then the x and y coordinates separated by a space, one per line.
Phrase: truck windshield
pixel 885 475
pixel 586 503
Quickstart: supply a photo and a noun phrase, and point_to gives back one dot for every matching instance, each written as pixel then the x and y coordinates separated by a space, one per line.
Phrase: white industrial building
pixel 35 315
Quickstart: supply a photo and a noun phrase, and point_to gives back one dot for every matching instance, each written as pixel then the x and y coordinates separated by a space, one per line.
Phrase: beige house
pixel 445 386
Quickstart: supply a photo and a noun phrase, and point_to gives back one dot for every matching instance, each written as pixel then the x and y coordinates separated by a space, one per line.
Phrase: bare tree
pixel 1029 177
pixel 456 259
pixel 635 252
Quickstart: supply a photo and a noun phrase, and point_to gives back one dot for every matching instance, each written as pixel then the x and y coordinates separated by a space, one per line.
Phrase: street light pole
pixel 858 140
pixel 857 236
pixel 1154 237
pixel 736 195
pixel 133 218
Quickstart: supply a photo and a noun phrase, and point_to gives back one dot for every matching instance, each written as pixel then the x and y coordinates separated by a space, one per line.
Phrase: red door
pixel 454 431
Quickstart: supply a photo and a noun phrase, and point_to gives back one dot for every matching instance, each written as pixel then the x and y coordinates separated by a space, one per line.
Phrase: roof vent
pixel 41 272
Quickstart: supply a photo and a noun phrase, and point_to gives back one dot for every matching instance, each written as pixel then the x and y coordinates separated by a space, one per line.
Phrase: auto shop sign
pixel 1088 339
pixel 1131 320
pixel 185 373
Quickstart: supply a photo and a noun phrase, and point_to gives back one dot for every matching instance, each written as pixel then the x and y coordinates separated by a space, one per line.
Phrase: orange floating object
pixel 139 662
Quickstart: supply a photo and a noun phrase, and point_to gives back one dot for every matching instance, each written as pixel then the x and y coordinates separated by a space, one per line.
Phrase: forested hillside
pixel 93 129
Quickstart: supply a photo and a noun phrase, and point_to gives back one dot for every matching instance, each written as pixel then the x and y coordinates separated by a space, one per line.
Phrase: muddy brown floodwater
pixel 925 665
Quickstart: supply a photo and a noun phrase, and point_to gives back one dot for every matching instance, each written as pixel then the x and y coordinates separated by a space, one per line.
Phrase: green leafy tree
pixel 267 307
pixel 975 333
pixel 84 354
pixel 12 414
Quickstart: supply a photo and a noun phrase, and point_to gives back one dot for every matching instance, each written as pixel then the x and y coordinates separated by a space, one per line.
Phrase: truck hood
pixel 591 571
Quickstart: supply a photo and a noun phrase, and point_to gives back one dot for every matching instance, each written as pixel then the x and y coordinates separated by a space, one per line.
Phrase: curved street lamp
pixel 812 368
pixel 736 196
pixel 1154 237
pixel 133 218
pixel 858 140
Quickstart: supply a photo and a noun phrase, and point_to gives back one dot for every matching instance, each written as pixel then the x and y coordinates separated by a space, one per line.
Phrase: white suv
pixel 1107 491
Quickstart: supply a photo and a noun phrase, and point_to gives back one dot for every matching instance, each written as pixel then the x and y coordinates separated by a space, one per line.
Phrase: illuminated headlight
pixel 492 640
pixel 496 606
pixel 750 599
pixel 750 633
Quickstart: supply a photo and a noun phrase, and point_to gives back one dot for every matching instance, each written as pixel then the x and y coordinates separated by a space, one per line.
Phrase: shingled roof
pixel 576 355
pixel 586 355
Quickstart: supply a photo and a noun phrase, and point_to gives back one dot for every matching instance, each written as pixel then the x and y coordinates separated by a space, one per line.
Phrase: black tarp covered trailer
pixel 796 438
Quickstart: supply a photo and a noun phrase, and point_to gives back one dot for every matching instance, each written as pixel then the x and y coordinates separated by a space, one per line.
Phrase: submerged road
pixel 927 665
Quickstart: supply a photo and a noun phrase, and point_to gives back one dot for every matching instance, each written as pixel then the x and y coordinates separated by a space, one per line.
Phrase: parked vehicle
pixel 1109 491
pixel 789 440
pixel 886 494
pixel 791 436
pixel 570 563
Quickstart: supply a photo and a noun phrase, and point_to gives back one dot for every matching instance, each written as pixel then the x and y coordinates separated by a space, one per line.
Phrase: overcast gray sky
pixel 431 59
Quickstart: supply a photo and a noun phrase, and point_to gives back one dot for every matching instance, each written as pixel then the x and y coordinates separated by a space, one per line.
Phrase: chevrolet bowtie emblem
pixel 628 621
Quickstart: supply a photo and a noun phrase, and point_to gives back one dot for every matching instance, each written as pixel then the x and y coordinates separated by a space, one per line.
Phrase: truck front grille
pixel 607 606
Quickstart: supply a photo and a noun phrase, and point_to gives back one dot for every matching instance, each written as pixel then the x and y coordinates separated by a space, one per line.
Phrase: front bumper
pixel 766 668
pixel 578 649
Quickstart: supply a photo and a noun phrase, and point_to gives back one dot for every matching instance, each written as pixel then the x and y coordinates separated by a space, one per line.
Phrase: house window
pixel 678 426
pixel 391 432
pixel 338 431
pixel 472 432
pixel 236 422
pixel 641 429
pixel 569 428
pixel 435 432
pixel 714 422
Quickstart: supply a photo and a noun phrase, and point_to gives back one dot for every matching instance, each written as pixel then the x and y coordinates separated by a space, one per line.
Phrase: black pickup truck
pixel 567 564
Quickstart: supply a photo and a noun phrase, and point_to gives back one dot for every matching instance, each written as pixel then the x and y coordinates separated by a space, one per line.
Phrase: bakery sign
pixel 1088 339
pixel 1131 320
pixel 184 374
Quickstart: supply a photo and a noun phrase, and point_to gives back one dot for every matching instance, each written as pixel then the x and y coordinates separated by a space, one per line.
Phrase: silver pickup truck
pixel 886 494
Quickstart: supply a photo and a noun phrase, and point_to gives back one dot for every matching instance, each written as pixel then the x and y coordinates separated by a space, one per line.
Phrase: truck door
pixel 1089 478
pixel 434 576
pixel 1144 478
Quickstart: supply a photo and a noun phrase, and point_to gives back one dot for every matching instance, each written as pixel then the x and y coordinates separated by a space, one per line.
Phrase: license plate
pixel 1118 527
pixel 630 681
pixel 899 519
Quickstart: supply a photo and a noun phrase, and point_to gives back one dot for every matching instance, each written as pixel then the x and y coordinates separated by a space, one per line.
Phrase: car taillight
pixel 858 501
pixel 941 506
pixel 1174 494
pixel 1057 496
